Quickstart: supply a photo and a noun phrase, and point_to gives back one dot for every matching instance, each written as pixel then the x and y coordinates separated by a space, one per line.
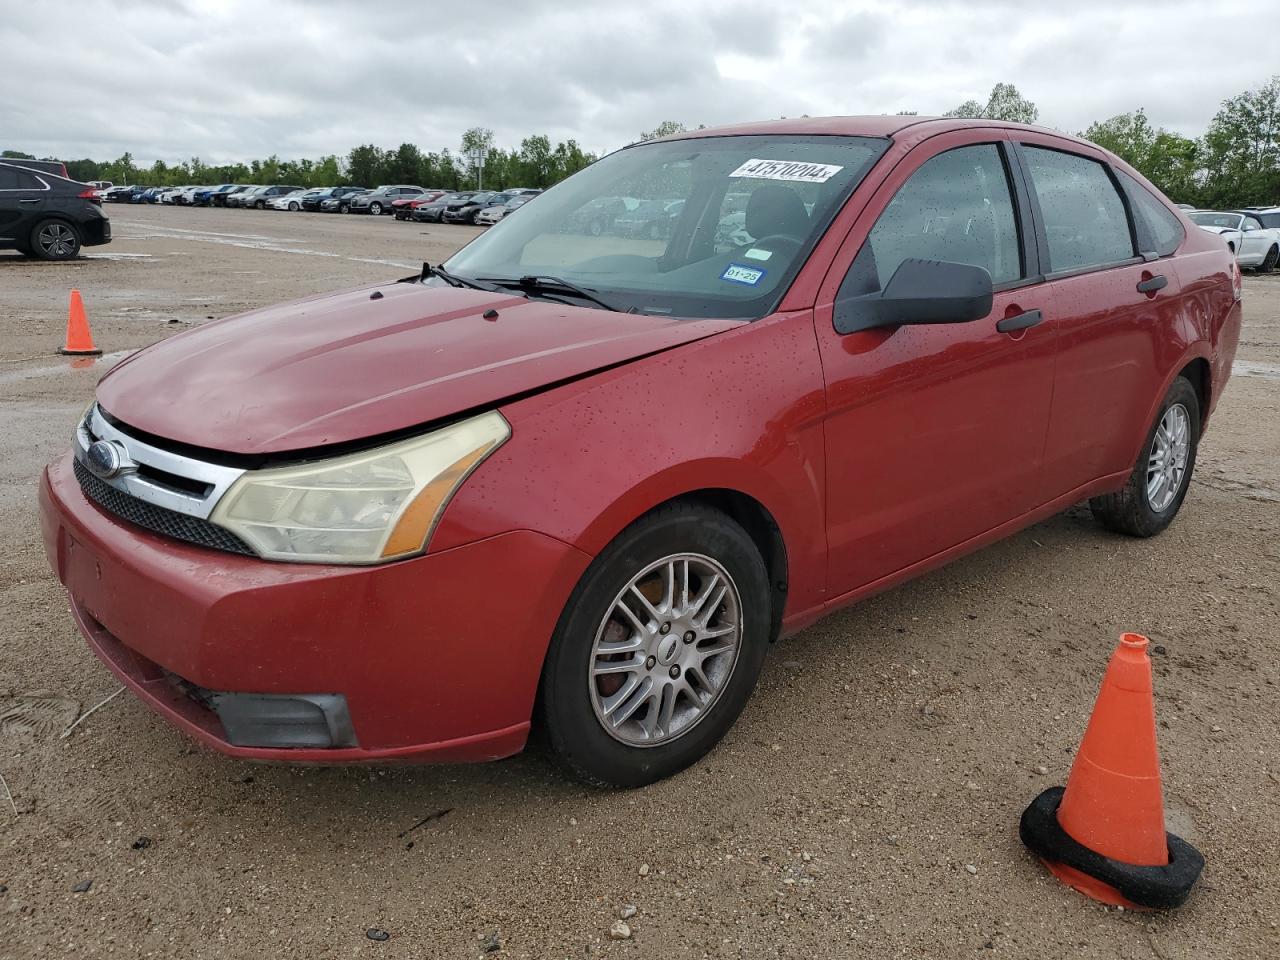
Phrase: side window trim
pixel 1028 234
pixel 1042 238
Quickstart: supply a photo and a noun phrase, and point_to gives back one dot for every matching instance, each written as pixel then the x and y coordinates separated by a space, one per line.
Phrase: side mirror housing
pixel 919 292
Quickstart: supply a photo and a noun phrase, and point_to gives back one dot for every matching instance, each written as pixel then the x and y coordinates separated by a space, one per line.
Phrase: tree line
pixel 1235 163
pixel 534 163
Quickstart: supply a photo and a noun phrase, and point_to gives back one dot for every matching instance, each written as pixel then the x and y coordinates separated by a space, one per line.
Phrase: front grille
pixel 158 519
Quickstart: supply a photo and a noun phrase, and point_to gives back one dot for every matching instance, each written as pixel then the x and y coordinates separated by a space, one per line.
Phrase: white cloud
pixel 232 79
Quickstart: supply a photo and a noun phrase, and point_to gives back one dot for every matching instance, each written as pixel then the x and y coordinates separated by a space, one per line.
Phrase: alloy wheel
pixel 665 650
pixel 1167 458
pixel 56 240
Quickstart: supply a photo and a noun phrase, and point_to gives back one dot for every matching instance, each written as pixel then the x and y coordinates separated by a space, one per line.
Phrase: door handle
pixel 35 200
pixel 1152 284
pixel 1019 322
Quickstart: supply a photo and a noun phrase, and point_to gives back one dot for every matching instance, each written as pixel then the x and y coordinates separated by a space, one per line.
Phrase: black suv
pixel 49 217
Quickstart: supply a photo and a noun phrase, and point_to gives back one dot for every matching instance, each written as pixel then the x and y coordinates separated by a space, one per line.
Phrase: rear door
pixel 1255 241
pixel 1112 305
pixel 934 433
pixel 23 197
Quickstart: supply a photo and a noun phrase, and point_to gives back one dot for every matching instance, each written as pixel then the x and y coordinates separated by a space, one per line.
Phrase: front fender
pixel 740 410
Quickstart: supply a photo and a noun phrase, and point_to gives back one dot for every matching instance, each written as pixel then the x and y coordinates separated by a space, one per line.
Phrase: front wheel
pixel 658 649
pixel 375 208
pixel 1269 261
pixel 294 208
pixel 1158 485
pixel 55 240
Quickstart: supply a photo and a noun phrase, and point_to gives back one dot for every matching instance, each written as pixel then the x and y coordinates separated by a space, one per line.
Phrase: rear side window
pixel 956 207
pixel 1084 218
pixel 1165 228
pixel 8 178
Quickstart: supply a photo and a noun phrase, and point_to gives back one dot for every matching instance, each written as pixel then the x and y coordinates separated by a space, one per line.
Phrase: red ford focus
pixel 583 479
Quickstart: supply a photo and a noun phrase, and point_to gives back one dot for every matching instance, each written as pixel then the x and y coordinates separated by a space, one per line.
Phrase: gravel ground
pixel 866 804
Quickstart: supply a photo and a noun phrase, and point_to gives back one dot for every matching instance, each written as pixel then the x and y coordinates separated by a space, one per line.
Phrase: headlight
pixel 364 508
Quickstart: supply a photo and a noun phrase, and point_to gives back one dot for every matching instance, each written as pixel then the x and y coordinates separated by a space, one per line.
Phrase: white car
pixel 171 195
pixel 1253 244
pixel 287 201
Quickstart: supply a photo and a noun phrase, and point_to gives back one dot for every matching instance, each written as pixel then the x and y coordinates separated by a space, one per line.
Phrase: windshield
pixel 1216 219
pixel 742 214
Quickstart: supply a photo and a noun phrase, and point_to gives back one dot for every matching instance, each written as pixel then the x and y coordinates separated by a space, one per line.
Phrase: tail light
pixel 90 195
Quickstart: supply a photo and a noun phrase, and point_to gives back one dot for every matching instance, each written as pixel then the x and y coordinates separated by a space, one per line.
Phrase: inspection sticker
pixel 787 170
pixel 741 273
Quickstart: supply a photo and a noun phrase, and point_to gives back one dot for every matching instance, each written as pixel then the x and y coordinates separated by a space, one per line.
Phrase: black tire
pixel 55 240
pixel 344 208
pixel 1129 511
pixel 1269 261
pixel 565 693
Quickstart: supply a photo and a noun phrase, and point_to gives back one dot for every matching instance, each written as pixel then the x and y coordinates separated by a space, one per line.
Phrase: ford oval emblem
pixel 104 459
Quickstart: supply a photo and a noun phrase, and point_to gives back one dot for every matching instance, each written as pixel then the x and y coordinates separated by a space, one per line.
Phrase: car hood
pixel 346 366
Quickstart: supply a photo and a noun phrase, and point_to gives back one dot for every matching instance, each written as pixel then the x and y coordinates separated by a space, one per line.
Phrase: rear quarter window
pixel 1085 221
pixel 1165 228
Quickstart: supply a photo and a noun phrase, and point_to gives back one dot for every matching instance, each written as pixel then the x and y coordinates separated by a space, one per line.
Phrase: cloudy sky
pixel 234 79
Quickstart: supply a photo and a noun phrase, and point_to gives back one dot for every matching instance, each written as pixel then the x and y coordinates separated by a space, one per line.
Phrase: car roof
pixel 861 126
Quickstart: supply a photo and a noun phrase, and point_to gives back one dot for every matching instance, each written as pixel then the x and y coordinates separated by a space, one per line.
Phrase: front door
pixel 934 434
pixel 22 198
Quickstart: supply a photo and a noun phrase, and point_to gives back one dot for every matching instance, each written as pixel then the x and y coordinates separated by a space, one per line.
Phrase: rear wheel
pixel 1158 485
pixel 1269 261
pixel 55 240
pixel 375 208
pixel 294 206
pixel 658 649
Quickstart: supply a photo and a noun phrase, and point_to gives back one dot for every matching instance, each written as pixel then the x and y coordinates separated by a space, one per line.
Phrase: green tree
pixel 1169 160
pixel 1004 103
pixel 1242 149
pixel 665 129
pixel 537 161
pixel 476 144
pixel 364 164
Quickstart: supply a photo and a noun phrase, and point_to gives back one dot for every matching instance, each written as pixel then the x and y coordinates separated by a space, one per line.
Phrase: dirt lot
pixel 887 749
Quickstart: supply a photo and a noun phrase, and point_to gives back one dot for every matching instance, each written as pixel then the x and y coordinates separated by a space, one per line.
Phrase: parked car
pixel 234 198
pixel 597 217
pixel 1253 244
pixel 186 197
pixel 1269 216
pixel 214 196
pixel 571 472
pixel 259 199
pixel 289 201
pixel 495 212
pixel 123 194
pixel 340 201
pixel 169 194
pixel 404 207
pixel 49 217
pixel 150 195
pixel 378 202
pixel 55 167
pixel 651 219
pixel 466 211
pixel 433 211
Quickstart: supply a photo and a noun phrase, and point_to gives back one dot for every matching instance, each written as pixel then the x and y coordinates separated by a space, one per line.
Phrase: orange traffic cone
pixel 1104 834
pixel 79 339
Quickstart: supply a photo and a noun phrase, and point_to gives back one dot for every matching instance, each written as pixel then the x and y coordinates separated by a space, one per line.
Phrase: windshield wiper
pixel 541 283
pixel 453 279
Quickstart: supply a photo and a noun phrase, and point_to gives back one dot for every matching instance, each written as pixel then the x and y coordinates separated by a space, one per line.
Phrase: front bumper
pixel 437 657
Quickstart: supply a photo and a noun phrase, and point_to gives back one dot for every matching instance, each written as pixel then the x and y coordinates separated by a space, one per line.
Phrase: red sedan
pixel 584 481
pixel 404 207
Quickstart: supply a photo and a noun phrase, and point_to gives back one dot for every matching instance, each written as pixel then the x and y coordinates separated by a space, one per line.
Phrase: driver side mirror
pixel 920 292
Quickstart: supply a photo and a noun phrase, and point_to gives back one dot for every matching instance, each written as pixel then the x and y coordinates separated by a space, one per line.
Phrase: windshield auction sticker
pixel 741 273
pixel 787 170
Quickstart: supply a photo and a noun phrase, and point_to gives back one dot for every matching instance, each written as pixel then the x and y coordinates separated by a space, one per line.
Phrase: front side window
pixel 956 207
pixel 1166 229
pixel 1085 222
pixel 740 216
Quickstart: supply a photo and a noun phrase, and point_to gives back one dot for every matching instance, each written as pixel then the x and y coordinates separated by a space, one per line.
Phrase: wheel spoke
pixel 707 612
pixel 636 623
pixel 649 608
pixel 643 694
pixel 617 666
pixel 701 599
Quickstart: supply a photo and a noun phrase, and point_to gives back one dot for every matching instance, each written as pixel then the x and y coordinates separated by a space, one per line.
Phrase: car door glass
pixel 8 179
pixel 1251 224
pixel 1085 222
pixel 956 207
pixel 1166 229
